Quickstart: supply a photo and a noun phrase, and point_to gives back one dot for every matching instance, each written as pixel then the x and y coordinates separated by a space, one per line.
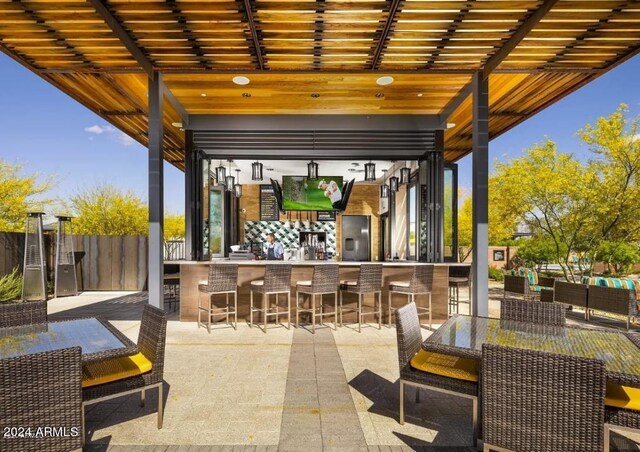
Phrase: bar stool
pixel 459 276
pixel 223 279
pixel 325 280
pixel 420 284
pixel 171 289
pixel 369 281
pixel 277 280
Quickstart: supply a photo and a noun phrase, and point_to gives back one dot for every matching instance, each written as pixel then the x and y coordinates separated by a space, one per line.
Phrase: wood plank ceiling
pixel 319 56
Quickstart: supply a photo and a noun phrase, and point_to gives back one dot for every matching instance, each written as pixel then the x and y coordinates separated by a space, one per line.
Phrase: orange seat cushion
pixel 446 365
pixel 622 397
pixel 102 372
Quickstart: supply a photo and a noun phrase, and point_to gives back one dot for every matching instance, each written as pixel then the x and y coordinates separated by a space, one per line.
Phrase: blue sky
pixel 52 134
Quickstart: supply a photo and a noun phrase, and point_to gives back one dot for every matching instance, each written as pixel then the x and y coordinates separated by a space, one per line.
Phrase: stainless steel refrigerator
pixel 356 238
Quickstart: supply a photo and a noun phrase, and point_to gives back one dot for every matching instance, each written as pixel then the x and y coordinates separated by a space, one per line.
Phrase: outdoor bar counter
pixel 194 272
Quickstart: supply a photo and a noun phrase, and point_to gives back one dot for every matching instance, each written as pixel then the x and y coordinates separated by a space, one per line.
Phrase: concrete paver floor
pixel 284 390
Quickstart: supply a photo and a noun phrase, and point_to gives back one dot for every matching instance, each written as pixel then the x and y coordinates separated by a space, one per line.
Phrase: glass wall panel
pixel 451 213
pixel 216 222
pixel 412 211
pixel 206 163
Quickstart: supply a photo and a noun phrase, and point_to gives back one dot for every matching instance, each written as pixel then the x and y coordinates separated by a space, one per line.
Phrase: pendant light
pixel 221 173
pixel 237 188
pixel 405 174
pixel 369 172
pixel 256 171
pixel 312 170
pixel 393 181
pixel 230 180
pixel 384 188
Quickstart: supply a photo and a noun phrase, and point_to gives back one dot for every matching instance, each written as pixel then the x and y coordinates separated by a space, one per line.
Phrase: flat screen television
pixel 302 193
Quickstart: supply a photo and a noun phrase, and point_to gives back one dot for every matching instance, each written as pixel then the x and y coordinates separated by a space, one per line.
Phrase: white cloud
pixel 98 130
pixel 110 131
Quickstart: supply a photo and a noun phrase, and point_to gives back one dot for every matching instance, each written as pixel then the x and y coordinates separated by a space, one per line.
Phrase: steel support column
pixel 156 193
pixel 480 196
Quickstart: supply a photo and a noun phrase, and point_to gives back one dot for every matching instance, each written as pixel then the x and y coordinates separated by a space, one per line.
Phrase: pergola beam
pixel 523 30
pixel 254 33
pixel 124 37
pixel 384 35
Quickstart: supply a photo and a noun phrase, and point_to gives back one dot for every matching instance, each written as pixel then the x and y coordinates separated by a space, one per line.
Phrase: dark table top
pixel 98 339
pixel 464 335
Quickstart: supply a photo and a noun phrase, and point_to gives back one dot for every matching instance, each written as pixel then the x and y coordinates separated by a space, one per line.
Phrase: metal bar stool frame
pixel 219 284
pixel 321 284
pixel 369 281
pixel 421 279
pixel 274 274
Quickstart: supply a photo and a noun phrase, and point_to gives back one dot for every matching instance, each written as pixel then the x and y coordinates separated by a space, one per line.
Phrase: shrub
pixel 11 286
pixel 496 274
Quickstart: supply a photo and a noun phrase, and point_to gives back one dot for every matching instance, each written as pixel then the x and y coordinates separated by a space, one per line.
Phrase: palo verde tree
pixel 20 193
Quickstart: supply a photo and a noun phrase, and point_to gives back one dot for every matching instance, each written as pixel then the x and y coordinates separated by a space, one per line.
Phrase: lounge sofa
pixel 611 295
pixel 525 282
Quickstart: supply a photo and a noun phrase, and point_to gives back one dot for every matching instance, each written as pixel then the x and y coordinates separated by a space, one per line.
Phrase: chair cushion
pixel 622 397
pixel 400 283
pixel 259 282
pixel 344 282
pixel 102 372
pixel 303 283
pixel 446 365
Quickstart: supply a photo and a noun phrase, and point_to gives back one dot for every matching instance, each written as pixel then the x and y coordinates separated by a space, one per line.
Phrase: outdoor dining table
pixel 98 339
pixel 464 336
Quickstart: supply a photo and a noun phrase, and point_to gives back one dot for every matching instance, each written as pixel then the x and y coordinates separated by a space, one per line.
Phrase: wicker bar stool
pixel 369 281
pixel 420 284
pixel 459 276
pixel 325 280
pixel 277 280
pixel 223 279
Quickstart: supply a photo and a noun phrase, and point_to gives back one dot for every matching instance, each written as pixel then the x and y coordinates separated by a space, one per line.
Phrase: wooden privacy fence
pixel 103 262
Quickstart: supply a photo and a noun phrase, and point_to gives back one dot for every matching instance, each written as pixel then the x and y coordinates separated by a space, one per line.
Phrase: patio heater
pixel 65 278
pixel 34 273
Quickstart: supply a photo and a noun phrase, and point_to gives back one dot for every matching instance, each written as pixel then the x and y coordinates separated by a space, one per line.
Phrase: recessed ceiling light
pixel 384 80
pixel 203 94
pixel 419 94
pixel 176 124
pixel 246 94
pixel 241 80
pixel 379 95
pixel 451 125
pixel 315 95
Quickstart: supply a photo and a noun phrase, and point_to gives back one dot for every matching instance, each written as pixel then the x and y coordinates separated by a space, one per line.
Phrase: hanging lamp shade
pixel 405 175
pixel 369 172
pixel 312 170
pixel 230 180
pixel 393 183
pixel 256 171
pixel 384 191
pixel 237 188
pixel 221 174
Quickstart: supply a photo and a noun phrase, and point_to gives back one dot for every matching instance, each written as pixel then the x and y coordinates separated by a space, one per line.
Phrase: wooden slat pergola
pixel 101 53
pixel 484 66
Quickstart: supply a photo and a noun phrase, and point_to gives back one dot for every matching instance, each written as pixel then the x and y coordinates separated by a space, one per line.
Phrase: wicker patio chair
pixel 532 312
pixel 325 281
pixel 520 285
pixel 151 344
pixel 421 283
pixel 369 281
pixel 542 402
pixel 571 294
pixel 627 420
pixel 24 313
pixel 42 390
pixel 612 300
pixel 409 344
pixel 277 280
pixel 223 279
